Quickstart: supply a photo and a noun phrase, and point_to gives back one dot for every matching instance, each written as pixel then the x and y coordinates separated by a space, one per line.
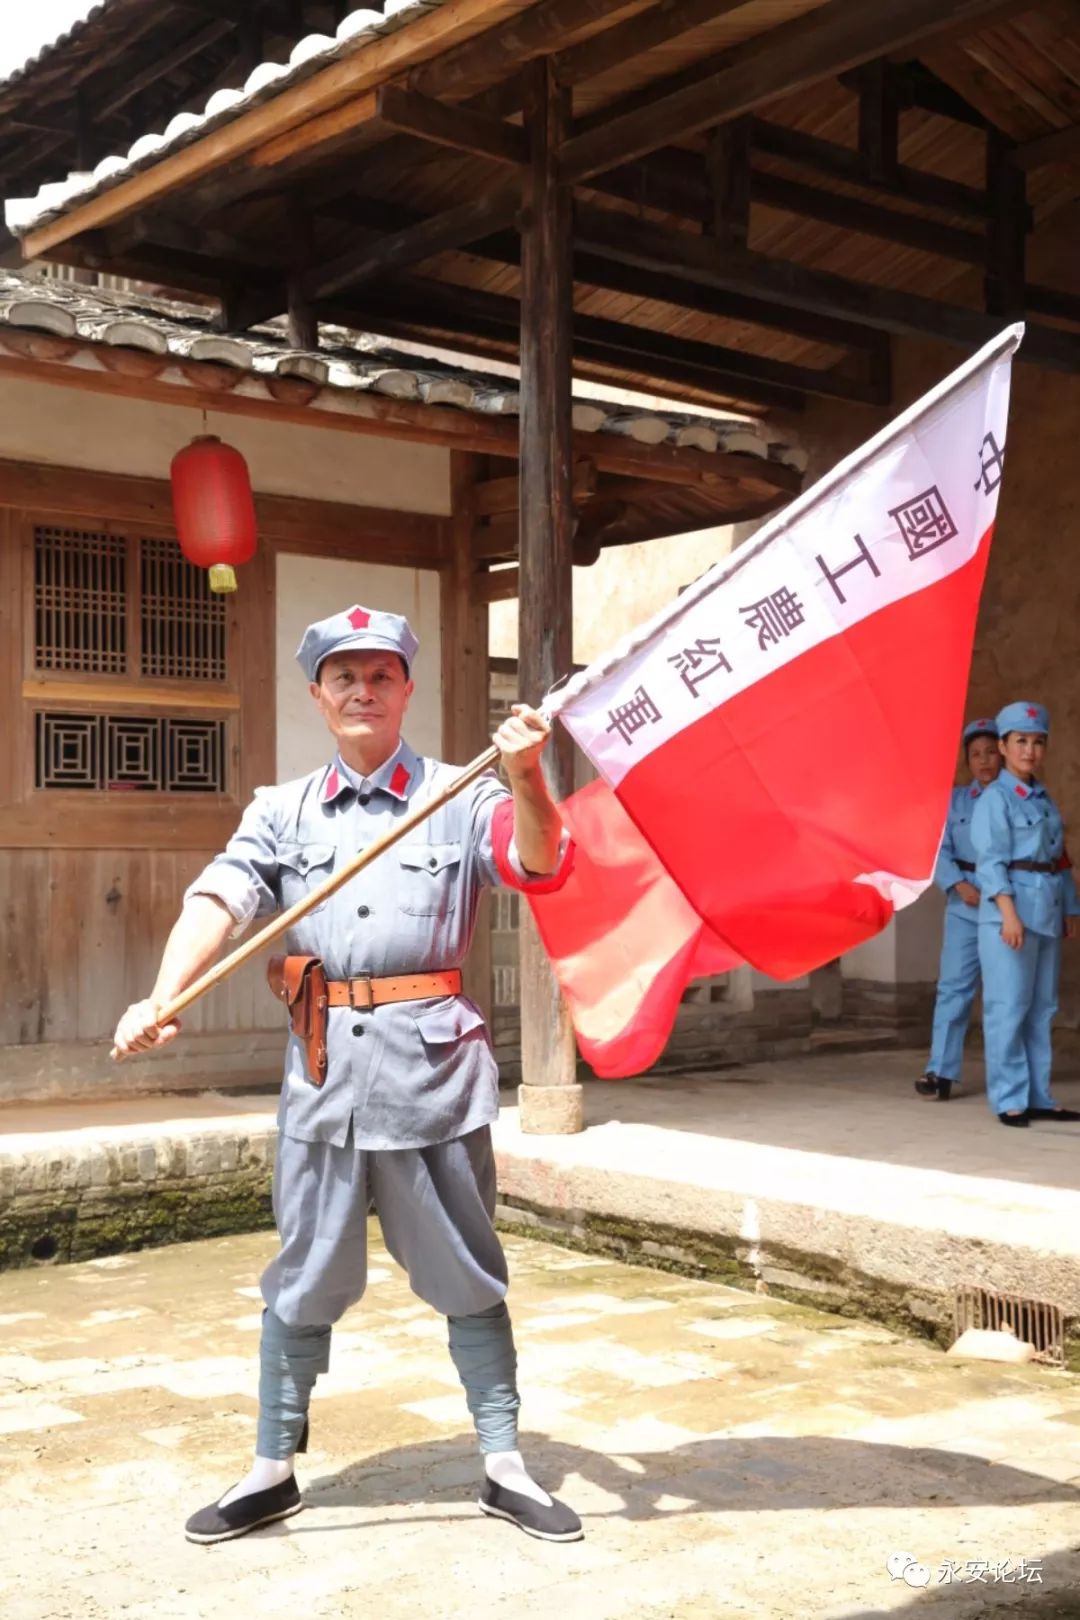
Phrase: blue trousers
pixel 958 980
pixel 1020 991
pixel 435 1206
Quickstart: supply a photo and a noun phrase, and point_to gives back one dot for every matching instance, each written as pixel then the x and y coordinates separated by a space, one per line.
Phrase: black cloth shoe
pixel 1013 1119
pixel 927 1086
pixel 217 1523
pixel 554 1523
pixel 1053 1113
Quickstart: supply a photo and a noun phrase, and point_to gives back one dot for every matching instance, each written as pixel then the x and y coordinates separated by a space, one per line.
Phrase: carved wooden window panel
pixel 129 753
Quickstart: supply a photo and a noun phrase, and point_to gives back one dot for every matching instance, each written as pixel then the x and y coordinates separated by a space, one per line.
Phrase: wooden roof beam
pixel 829 157
pixel 455 228
pixel 704 368
pixel 411 113
pixel 597 272
pixel 675 180
pixel 153 64
pixel 840 35
pixel 644 32
pixel 504 49
pixel 1059 147
pixel 694 258
pixel 294 119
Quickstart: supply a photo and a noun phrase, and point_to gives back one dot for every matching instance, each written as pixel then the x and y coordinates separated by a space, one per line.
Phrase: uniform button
pixel 363 911
pixel 358 1029
pixel 363 798
pixel 433 863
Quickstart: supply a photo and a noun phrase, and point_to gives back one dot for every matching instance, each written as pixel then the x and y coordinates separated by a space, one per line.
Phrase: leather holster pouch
pixel 300 982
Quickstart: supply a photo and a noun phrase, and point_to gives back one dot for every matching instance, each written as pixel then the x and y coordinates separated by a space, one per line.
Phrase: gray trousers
pixel 435 1206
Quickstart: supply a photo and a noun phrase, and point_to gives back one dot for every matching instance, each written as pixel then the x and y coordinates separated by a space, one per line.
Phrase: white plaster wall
pixel 874 960
pixel 625 586
pixel 310 588
pixel 71 428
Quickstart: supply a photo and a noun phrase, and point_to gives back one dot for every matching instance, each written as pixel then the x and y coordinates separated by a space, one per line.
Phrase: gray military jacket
pixel 405 1074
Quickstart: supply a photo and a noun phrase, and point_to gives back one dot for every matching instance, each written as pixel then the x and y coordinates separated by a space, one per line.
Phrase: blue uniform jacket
pixel 956 846
pixel 1017 821
pixel 407 1074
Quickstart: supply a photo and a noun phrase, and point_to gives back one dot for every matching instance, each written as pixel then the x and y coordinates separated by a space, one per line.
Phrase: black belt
pixel 1035 866
pixel 966 866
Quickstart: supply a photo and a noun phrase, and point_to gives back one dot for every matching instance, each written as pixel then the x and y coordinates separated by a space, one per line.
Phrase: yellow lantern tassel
pixel 222 577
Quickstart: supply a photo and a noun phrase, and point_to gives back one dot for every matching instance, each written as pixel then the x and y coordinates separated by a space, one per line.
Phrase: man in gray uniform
pixel 394 1100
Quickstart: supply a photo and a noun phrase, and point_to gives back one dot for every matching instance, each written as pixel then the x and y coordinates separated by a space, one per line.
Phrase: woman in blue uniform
pixel 958 973
pixel 1028 903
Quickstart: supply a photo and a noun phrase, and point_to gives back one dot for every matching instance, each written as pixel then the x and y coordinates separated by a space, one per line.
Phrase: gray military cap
pixel 360 628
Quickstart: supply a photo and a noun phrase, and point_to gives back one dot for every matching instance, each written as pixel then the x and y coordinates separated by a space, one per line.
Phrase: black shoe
pixel 1014 1119
pixel 217 1523
pixel 554 1523
pixel 1053 1113
pixel 934 1088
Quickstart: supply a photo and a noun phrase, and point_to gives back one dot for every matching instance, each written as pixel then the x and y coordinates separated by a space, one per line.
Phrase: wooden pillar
pixel 464 659
pixel 549 1098
pixel 727 163
pixel 1006 234
pixel 879 120
pixel 303 326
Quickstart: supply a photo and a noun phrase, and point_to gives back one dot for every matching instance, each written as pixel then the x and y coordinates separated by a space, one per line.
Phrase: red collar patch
pixel 359 618
pixel 1023 792
pixel 974 793
pixel 400 781
pixel 333 785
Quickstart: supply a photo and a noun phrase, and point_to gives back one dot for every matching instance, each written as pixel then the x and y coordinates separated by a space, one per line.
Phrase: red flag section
pixel 777 748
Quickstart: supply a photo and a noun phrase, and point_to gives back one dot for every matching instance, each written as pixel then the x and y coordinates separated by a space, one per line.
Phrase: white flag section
pixel 778 745
pixel 910 507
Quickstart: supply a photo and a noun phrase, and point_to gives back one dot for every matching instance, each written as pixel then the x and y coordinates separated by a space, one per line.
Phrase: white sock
pixel 507 1468
pixel 265 1473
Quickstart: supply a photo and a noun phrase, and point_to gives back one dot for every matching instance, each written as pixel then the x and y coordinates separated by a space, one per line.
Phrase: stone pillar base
pixel 551 1110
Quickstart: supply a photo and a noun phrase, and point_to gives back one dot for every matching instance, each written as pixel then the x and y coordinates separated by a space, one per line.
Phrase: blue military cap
pixel 1023 717
pixel 979 728
pixel 360 628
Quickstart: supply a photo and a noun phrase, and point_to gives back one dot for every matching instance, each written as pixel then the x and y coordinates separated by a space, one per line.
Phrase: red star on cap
pixel 400 780
pixel 1033 714
pixel 359 618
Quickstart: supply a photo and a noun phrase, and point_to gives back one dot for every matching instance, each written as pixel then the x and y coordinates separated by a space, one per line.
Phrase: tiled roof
pixel 345 365
pixel 308 56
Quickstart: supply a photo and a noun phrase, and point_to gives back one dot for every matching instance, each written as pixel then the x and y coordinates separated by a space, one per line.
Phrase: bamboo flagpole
pixel 280 925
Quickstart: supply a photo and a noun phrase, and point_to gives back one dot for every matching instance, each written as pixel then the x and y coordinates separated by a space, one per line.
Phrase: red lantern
pixel 214 508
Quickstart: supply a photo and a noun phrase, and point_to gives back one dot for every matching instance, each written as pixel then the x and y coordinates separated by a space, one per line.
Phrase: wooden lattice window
pixel 183 622
pixel 80 601
pixel 106 604
pixel 129 753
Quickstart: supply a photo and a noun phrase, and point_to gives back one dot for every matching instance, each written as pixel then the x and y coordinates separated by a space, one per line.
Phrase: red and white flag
pixel 776 748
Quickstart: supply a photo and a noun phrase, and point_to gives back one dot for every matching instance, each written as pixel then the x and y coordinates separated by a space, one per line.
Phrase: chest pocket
pixel 429 877
pixel 302 868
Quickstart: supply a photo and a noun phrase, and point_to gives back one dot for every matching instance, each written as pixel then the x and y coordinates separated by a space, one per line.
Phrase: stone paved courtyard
pixel 731 1455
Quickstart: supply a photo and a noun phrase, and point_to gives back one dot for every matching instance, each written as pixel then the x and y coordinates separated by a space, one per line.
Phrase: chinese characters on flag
pixel 776 748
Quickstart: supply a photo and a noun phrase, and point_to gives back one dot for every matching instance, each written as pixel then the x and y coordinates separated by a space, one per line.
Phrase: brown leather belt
pixel 301 983
pixel 1035 866
pixel 364 992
